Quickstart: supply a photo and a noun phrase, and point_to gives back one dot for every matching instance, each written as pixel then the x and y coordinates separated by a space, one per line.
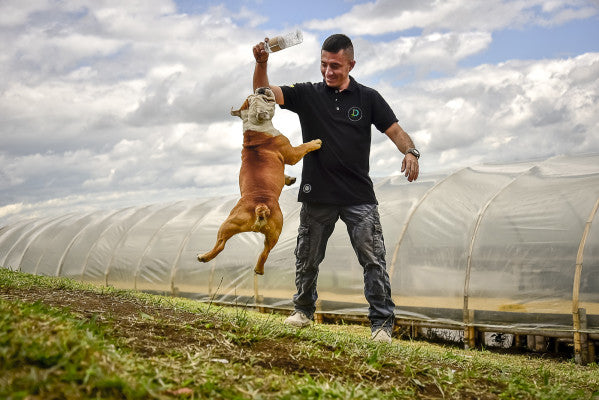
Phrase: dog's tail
pixel 262 213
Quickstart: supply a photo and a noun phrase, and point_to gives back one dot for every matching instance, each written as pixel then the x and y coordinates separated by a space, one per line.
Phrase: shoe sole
pixel 382 341
pixel 296 325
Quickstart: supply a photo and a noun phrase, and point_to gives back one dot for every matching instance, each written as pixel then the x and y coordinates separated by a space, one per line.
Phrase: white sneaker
pixel 297 319
pixel 381 335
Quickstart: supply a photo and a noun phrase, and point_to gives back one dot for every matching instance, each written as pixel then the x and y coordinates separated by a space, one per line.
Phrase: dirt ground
pixel 151 331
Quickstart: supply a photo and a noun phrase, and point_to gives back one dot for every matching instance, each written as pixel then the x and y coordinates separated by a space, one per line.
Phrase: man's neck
pixel 343 86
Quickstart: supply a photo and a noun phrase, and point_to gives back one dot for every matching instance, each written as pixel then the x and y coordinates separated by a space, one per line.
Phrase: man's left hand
pixel 409 165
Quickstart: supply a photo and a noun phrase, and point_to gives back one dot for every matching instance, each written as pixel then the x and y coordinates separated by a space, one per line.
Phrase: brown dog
pixel 261 179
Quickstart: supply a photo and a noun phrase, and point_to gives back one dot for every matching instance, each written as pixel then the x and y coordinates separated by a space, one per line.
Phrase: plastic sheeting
pixel 493 245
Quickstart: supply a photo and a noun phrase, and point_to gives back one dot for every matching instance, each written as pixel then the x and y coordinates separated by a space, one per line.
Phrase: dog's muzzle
pixel 263 116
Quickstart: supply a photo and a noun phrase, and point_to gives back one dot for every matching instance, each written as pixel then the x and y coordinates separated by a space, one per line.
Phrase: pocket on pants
pixel 379 243
pixel 302 249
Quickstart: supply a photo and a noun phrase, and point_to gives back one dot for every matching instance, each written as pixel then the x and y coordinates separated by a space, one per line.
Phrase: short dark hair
pixel 337 42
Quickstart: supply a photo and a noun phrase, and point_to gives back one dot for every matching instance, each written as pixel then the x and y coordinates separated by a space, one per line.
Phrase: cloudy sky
pixel 108 103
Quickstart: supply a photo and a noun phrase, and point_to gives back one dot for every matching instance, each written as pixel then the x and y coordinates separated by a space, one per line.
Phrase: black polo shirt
pixel 338 173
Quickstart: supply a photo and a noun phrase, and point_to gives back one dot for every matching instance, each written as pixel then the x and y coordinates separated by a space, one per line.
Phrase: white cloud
pixel 11 209
pixel 436 51
pixel 108 104
pixel 512 111
pixel 384 16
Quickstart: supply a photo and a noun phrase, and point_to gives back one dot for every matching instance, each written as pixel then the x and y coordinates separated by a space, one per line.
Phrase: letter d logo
pixel 354 114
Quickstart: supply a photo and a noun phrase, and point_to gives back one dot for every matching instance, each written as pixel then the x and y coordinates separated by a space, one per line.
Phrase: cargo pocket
pixel 302 250
pixel 379 243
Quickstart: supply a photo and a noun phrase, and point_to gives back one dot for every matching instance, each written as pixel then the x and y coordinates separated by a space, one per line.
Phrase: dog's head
pixel 258 107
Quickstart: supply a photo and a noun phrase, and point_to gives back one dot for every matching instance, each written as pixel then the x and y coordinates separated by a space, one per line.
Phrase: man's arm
pixel 402 140
pixel 261 75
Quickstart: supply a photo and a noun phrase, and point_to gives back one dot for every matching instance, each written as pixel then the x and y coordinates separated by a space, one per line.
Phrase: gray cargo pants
pixel 317 222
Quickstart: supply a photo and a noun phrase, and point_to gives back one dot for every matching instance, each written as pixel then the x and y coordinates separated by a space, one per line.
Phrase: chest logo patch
pixel 354 114
pixel 307 188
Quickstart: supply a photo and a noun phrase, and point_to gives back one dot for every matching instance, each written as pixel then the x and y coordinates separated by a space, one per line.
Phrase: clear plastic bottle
pixel 283 41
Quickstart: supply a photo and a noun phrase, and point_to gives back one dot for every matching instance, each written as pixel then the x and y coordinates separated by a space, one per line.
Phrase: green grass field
pixel 61 339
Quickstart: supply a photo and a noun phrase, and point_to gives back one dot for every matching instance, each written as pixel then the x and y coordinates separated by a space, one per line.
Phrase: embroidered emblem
pixel 354 114
pixel 307 188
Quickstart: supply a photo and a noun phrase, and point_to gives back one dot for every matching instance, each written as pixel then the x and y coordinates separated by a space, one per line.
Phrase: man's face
pixel 335 68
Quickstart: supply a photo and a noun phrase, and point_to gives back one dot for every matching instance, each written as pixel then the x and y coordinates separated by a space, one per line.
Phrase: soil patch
pixel 159 331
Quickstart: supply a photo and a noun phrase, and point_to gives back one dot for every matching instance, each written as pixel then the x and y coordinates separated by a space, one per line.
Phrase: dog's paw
pixel 290 180
pixel 317 142
pixel 202 258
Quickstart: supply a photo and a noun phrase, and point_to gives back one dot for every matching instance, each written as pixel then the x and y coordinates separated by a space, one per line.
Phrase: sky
pixel 108 104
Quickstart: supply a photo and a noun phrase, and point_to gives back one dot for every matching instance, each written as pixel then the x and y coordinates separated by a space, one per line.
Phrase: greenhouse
pixel 506 248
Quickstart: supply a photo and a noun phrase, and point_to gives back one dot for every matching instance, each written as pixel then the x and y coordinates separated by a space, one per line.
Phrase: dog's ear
pixel 244 106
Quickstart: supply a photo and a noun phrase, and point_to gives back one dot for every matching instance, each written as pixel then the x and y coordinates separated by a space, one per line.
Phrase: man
pixel 335 179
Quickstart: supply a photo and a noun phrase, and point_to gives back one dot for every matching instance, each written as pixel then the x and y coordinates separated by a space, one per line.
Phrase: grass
pixel 61 339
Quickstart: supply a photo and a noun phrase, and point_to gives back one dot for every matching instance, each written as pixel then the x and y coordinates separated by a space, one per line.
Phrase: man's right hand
pixel 260 53
pixel 260 75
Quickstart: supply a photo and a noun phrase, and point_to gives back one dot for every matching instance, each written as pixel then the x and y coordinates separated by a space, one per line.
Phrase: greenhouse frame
pixel 508 248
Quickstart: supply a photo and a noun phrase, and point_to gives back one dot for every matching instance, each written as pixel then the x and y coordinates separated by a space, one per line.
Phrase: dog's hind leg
pixel 221 239
pixel 233 225
pixel 271 236
pixel 269 243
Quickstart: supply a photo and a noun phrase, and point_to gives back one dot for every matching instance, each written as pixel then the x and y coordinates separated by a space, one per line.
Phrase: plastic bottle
pixel 283 41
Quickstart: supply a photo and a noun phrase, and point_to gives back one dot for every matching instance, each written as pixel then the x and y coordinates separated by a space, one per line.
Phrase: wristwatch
pixel 414 152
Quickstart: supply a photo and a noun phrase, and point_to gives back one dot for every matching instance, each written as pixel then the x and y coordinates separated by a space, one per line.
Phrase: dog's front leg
pixel 292 154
